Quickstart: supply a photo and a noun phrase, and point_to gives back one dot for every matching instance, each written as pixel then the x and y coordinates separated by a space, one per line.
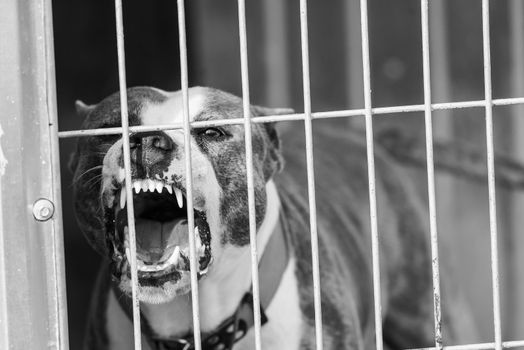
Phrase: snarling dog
pixel 222 232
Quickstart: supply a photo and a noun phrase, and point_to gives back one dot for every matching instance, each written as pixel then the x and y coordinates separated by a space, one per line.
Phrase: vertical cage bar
pixel 249 169
pixel 371 173
pixel 435 267
pixel 491 174
pixel 127 170
pixel 189 174
pixel 308 129
pixel 516 14
pixel 61 328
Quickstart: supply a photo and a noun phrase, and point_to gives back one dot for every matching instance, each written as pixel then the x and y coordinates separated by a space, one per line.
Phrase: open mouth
pixel 162 237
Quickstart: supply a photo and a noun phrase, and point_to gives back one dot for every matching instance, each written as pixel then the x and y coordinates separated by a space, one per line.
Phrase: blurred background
pixel 86 69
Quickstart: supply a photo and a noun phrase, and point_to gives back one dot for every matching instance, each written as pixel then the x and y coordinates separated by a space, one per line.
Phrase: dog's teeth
pixel 169 189
pixel 140 265
pixel 179 198
pixel 151 185
pixel 137 186
pixel 173 259
pixel 204 271
pixel 159 187
pixel 123 197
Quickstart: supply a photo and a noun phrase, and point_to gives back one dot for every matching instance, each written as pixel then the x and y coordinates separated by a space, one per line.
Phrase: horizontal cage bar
pixel 480 346
pixel 296 116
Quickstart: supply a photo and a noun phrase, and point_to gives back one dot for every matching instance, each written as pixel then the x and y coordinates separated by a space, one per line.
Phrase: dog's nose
pixel 148 149
pixel 155 139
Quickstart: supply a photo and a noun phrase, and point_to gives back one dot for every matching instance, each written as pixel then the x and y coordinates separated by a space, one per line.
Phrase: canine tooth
pixel 151 185
pixel 204 271
pixel 173 259
pixel 137 186
pixel 159 187
pixel 179 197
pixel 146 268
pixel 123 197
pixel 169 189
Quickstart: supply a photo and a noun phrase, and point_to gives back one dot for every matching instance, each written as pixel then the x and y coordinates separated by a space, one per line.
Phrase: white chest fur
pixel 284 327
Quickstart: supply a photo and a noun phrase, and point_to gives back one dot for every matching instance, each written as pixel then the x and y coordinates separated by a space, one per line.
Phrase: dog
pixel 221 232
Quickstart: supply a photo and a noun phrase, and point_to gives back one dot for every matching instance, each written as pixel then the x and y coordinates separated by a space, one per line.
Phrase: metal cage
pixel 31 248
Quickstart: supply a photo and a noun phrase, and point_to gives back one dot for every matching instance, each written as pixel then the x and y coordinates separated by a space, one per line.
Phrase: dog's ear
pixel 82 109
pixel 274 162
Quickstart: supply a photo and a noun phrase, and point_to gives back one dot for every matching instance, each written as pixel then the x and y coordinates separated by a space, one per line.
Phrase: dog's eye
pixel 212 133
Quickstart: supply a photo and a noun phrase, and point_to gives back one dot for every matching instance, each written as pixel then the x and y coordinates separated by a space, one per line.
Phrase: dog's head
pixel 159 185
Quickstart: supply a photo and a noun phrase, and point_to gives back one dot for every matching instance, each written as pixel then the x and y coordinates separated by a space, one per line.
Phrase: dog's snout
pixel 155 140
pixel 149 149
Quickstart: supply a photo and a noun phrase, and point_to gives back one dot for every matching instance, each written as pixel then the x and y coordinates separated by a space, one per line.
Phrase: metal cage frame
pixel 368 112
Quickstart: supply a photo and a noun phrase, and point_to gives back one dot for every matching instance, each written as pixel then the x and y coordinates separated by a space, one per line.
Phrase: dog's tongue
pixel 157 240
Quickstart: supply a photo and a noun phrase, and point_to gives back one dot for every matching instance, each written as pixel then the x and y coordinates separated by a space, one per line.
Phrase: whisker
pixel 91 182
pixel 77 178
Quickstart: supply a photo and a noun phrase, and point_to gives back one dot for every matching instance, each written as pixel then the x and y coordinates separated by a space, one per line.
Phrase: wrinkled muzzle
pixel 160 213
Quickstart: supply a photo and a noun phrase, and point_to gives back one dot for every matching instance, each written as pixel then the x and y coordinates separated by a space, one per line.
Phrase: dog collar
pixel 271 269
pixel 224 337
